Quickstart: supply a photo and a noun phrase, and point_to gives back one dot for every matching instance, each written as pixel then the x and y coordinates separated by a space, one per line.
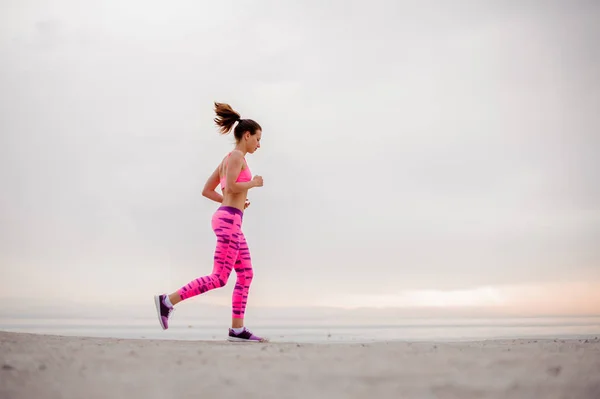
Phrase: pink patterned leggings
pixel 231 253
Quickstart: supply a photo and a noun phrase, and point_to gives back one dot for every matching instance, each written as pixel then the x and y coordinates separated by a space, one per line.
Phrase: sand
pixel 42 366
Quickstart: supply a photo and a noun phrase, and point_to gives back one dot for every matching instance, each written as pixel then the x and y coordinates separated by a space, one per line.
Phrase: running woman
pixel 231 253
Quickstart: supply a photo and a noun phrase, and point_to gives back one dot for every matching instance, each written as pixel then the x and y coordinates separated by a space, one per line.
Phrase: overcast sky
pixel 407 146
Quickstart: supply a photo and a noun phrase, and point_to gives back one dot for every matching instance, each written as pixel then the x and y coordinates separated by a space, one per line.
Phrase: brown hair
pixel 226 117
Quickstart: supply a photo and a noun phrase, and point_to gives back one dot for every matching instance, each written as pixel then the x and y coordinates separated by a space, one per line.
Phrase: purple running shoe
pixel 245 336
pixel 163 311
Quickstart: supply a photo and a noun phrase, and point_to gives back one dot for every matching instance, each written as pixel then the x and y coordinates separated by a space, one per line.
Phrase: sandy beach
pixel 44 367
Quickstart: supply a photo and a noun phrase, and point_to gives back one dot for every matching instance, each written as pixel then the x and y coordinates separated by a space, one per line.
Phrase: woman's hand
pixel 257 181
pixel 247 204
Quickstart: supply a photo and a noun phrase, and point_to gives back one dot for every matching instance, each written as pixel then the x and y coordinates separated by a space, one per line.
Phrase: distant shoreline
pixel 307 330
pixel 548 339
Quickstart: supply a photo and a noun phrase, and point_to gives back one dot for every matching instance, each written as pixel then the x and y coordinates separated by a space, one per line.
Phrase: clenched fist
pixel 258 181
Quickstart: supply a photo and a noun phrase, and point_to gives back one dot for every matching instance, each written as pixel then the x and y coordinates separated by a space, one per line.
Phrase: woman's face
pixel 253 141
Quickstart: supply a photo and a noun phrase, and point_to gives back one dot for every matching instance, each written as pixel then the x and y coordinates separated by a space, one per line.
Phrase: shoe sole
pixel 233 339
pixel 157 304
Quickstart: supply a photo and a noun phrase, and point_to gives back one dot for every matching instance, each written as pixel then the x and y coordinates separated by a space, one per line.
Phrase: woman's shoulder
pixel 235 154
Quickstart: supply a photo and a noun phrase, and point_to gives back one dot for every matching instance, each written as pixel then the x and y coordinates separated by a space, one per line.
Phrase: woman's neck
pixel 242 149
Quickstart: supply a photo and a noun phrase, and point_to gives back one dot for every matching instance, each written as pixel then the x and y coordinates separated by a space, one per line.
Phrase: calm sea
pixel 401 330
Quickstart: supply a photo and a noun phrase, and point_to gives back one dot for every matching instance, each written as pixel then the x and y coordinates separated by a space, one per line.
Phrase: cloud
pixel 406 147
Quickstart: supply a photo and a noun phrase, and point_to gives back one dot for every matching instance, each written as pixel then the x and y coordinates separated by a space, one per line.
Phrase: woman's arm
pixel 234 167
pixel 210 186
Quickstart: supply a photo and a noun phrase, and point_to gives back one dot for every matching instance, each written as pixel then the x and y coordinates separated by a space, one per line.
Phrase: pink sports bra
pixel 244 176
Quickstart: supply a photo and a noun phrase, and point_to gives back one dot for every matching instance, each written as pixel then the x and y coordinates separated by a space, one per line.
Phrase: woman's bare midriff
pixel 236 200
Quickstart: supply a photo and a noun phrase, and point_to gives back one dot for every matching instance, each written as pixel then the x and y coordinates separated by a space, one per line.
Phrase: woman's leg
pixel 228 231
pixel 244 272
pixel 227 226
pixel 243 268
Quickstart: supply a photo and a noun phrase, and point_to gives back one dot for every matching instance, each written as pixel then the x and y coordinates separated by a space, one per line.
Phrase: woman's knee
pixel 218 281
pixel 249 274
